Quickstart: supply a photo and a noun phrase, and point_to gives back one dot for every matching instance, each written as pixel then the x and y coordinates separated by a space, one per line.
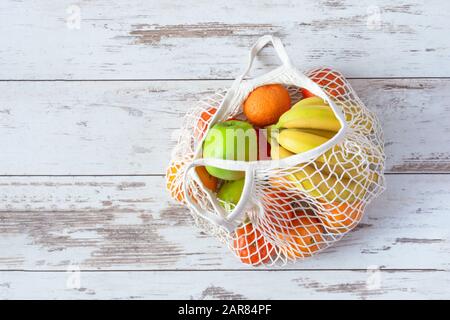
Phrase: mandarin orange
pixel 266 104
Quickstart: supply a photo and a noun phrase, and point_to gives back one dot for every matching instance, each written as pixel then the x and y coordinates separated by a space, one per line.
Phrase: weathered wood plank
pixel 111 223
pixel 197 39
pixel 125 127
pixel 227 285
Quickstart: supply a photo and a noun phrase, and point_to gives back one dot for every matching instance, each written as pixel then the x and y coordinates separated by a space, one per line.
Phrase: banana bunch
pixel 310 113
pixel 339 174
pixel 307 125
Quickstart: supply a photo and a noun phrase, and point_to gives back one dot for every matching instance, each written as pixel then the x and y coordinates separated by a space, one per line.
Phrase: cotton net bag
pixel 294 207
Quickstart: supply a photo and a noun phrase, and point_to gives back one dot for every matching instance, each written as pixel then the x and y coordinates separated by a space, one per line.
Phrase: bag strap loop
pixel 231 221
pixel 258 46
pixel 254 51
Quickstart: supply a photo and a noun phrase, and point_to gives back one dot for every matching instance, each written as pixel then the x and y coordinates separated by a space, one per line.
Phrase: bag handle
pixel 254 51
pixel 231 221
pixel 258 46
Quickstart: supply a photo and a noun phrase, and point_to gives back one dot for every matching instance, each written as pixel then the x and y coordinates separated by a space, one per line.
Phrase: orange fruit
pixel 303 239
pixel 340 218
pixel 173 186
pixel 266 104
pixel 208 180
pixel 330 80
pixel 251 246
pixel 306 94
pixel 279 211
pixel 203 121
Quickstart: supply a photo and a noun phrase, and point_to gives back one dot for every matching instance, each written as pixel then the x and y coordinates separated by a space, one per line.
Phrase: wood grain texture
pixel 227 285
pixel 94 128
pixel 129 223
pixel 81 163
pixel 210 39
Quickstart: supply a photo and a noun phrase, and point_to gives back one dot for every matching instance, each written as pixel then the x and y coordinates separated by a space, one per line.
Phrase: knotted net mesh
pixel 297 211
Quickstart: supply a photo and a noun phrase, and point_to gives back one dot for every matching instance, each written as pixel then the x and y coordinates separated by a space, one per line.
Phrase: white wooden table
pixel 88 105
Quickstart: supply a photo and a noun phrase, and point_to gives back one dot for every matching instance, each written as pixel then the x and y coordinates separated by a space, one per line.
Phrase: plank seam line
pixel 205 79
pixel 227 270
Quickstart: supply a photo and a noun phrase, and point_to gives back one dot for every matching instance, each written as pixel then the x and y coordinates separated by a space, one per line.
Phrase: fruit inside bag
pixel 283 207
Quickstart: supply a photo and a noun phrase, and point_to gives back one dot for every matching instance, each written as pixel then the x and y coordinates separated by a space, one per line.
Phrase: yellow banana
pixel 310 117
pixel 348 159
pixel 278 152
pixel 341 174
pixel 342 163
pixel 298 141
pixel 352 170
pixel 309 101
pixel 323 133
pixel 358 119
pixel 345 163
pixel 326 186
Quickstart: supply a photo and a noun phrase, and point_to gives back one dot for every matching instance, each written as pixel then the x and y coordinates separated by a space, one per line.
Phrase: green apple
pixel 230 193
pixel 230 140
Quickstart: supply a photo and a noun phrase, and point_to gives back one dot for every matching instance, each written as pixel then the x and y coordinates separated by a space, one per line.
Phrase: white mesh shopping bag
pixel 294 206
